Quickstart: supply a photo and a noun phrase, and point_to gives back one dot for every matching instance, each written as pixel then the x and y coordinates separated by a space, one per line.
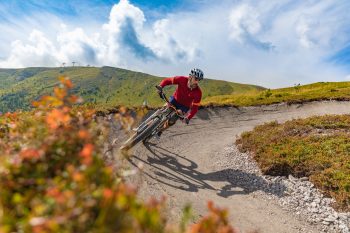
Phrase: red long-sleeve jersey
pixel 183 94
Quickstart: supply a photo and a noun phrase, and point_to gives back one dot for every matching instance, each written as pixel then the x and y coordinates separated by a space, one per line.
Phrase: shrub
pixel 318 147
pixel 268 93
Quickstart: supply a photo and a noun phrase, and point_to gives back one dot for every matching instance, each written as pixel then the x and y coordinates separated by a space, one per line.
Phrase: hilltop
pixel 102 86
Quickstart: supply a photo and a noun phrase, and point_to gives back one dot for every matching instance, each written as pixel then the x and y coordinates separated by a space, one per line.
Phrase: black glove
pixel 186 120
pixel 160 91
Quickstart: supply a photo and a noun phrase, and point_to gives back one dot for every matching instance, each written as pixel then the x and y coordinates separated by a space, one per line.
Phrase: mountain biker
pixel 186 97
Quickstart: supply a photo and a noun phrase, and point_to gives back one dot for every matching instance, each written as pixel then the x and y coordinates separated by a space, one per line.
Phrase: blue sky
pixel 264 42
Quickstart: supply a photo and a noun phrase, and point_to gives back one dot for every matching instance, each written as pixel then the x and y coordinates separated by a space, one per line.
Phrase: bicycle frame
pixel 169 105
pixel 164 114
pixel 152 124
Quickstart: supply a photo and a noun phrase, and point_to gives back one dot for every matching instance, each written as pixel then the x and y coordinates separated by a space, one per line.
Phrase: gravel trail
pixel 200 162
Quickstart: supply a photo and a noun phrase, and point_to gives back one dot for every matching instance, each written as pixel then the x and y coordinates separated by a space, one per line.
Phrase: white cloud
pixel 165 43
pixel 244 20
pixel 118 17
pixel 39 50
pixel 120 13
pixel 114 43
pixel 269 43
pixel 77 46
pixel 302 29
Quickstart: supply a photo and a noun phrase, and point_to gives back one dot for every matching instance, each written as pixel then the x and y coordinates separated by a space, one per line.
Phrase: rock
pixel 326 223
pixel 330 219
pixel 343 227
pixel 342 216
pixel 313 204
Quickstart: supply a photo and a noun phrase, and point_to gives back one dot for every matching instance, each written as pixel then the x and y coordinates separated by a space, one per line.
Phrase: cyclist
pixel 186 97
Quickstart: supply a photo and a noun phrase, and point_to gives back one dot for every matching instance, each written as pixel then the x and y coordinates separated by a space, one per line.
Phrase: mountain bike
pixel 153 124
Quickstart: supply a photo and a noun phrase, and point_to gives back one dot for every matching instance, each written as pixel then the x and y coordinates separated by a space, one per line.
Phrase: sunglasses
pixel 195 78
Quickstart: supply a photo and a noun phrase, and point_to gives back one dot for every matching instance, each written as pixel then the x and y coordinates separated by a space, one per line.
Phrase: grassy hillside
pixel 105 86
pixel 316 91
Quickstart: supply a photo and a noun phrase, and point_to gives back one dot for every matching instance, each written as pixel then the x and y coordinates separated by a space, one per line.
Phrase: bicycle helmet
pixel 197 73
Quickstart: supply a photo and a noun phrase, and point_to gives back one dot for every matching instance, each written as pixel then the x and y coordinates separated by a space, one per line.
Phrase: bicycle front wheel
pixel 139 136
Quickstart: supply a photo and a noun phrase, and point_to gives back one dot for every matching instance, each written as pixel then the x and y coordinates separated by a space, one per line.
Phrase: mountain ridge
pixel 104 86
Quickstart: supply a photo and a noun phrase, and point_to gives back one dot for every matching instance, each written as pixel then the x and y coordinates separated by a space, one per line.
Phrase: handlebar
pixel 163 96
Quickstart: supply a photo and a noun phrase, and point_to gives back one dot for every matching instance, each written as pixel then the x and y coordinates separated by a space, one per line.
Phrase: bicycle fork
pixel 144 124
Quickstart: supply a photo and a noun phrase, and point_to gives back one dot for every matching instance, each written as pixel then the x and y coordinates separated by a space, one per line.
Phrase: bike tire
pixel 137 137
pixel 156 113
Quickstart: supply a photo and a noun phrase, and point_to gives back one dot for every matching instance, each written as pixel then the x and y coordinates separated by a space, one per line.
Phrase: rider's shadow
pixel 182 173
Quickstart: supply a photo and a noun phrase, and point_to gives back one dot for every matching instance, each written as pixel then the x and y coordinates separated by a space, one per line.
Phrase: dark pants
pixel 177 105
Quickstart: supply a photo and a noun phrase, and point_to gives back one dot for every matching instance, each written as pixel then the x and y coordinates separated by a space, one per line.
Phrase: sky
pixel 271 43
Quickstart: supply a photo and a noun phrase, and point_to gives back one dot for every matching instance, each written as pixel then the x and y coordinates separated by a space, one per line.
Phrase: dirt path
pixel 190 165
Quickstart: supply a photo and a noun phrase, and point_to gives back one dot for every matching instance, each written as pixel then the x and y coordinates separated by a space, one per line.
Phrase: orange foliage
pixel 30 154
pixel 66 82
pixel 55 193
pixel 77 176
pixel 83 134
pixel 59 92
pixel 74 99
pixel 58 117
pixel 86 153
pixel 216 221
pixel 60 98
pixel 107 193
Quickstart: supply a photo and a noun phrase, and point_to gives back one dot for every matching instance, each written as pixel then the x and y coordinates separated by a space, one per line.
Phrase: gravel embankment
pixel 299 196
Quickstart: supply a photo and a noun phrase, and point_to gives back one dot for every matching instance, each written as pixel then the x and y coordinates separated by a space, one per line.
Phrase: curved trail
pixel 190 165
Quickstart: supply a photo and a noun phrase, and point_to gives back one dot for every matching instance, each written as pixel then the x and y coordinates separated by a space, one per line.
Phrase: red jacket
pixel 184 95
